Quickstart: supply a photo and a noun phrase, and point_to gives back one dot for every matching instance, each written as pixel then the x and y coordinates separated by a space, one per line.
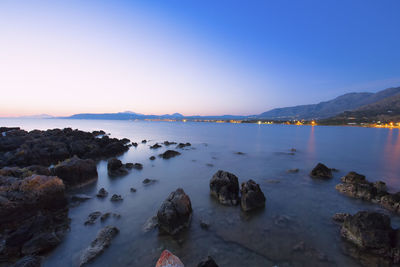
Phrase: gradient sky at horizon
pixel 192 57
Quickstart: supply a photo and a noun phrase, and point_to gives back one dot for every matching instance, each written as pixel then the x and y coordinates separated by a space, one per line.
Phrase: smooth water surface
pixel 298 208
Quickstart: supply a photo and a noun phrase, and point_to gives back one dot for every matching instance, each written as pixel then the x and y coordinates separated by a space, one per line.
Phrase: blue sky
pixel 193 57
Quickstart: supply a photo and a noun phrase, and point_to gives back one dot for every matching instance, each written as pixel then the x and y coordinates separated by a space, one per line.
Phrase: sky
pixel 192 57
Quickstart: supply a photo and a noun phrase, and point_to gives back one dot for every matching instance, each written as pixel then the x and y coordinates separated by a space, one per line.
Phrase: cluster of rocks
pixel 370 238
pixel 33 216
pixel 355 185
pixel 116 168
pixel 92 217
pixel 22 148
pixel 225 187
pixel 167 259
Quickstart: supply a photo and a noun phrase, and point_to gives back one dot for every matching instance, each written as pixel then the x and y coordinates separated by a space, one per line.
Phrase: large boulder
pixel 252 196
pixel 175 212
pixel 102 241
pixel 321 171
pixel 225 187
pixel 167 259
pixel 76 172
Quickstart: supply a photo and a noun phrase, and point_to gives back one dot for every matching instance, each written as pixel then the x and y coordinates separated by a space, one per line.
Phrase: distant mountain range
pixel 327 109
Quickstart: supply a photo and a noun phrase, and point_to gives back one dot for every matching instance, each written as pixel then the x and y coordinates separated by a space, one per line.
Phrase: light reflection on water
pixel 298 208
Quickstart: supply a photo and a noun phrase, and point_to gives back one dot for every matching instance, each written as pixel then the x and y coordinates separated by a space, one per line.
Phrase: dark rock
pixel 116 198
pixel 321 171
pixel 92 218
pixel 183 145
pixel 293 170
pixel 169 154
pixel 240 153
pixel 150 224
pixel 129 165
pixel 167 143
pixel 102 241
pixel 340 217
pixel 175 212
pixel 28 261
pixel 209 165
pixel 116 168
pixel 152 158
pixel 225 187
pixel 76 171
pixel 155 146
pixel 391 202
pixel 144 141
pixel 41 243
pixel 133 190
pixel 252 196
pixel 209 262
pixel 293 150
pixel 97 133
pixel 148 181
pixel 134 144
pixel 137 166
pixel 102 193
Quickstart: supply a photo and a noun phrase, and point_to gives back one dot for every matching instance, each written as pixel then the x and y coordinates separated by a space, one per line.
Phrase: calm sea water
pixel 298 208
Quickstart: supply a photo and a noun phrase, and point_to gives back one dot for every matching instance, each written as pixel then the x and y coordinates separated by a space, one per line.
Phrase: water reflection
pixel 392 155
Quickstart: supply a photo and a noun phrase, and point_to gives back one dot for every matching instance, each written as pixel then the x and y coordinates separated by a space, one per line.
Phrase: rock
pixel 116 168
pixel 150 224
pixel 28 261
pixel 209 165
pixel 209 262
pixel 340 217
pixel 137 166
pixel 293 170
pixel 167 259
pixel 240 153
pixel 167 143
pixel 369 231
pixel 144 141
pixel 391 202
pixel 321 171
pixel 225 187
pixel 252 196
pixel 152 158
pixel 116 198
pixel 92 217
pixel 133 190
pixel 155 146
pixel 175 212
pixel 102 193
pixel 169 154
pixel 102 241
pixel 76 172
pixel 204 224
pixel 148 181
pixel 293 150
pixel 183 145
pixel 134 144
pixel 107 215
pixel 41 243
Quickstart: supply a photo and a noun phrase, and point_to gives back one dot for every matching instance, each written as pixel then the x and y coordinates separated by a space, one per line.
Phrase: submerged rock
pixel 134 144
pixel 155 146
pixel 102 241
pixel 102 193
pixel 144 141
pixel 225 187
pixel 152 158
pixel 167 259
pixel 168 143
pixel 293 170
pixel 321 171
pixel 252 196
pixel 76 172
pixel 107 215
pixel 175 212
pixel 116 198
pixel 92 217
pixel 183 145
pixel 169 154
pixel 148 181
pixel 209 262
pixel 133 190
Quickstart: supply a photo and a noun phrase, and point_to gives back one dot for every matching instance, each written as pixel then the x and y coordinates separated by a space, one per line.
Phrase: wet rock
pixel 148 181
pixel 92 218
pixel 183 145
pixel 175 212
pixel 155 146
pixel 340 217
pixel 152 158
pixel 107 215
pixel 293 170
pixel 167 143
pixel 116 168
pixel 240 153
pixel 134 144
pixel 102 193
pixel 102 241
pixel 225 187
pixel 150 224
pixel 252 196
pixel 133 190
pixel 169 154
pixel 28 261
pixel 76 172
pixel 116 198
pixel 321 171
pixel 144 141
pixel 167 259
pixel 208 262
pixel 137 166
